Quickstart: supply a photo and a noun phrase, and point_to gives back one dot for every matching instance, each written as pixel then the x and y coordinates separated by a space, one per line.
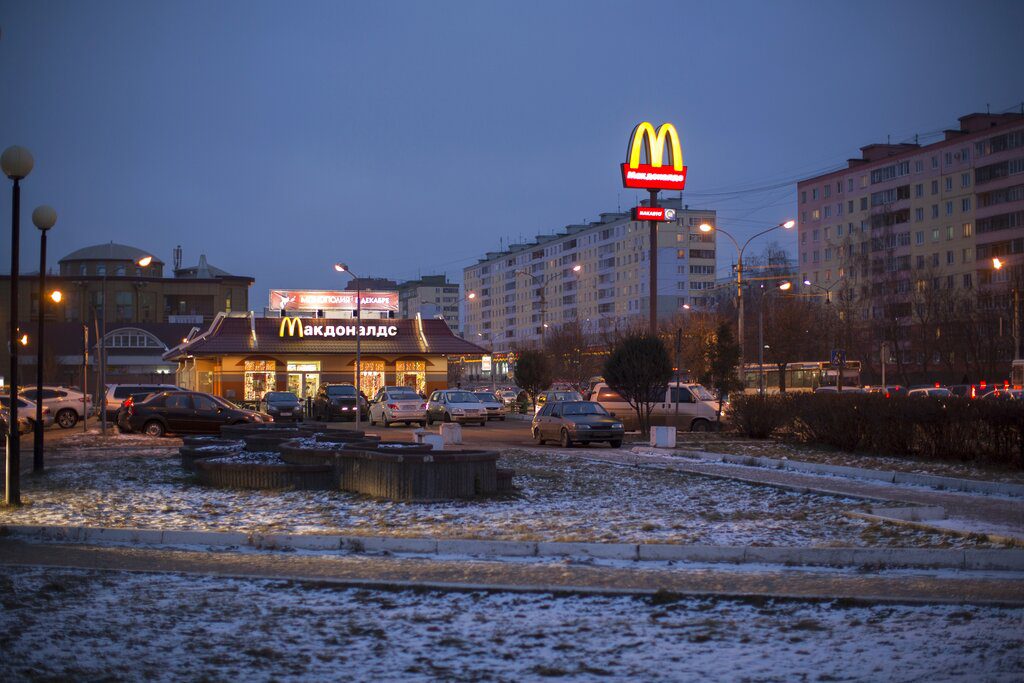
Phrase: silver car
pixel 67 405
pixel 27 411
pixel 494 406
pixel 398 404
pixel 455 405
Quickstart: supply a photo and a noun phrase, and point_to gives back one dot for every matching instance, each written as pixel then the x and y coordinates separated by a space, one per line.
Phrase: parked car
pixel 1001 394
pixel 283 406
pixel 845 390
pixel 888 390
pixel 67 405
pixel 930 392
pixel 494 406
pixel 338 401
pixel 182 412
pixel 508 396
pixel 27 411
pixel 455 405
pixel 398 404
pixel 24 426
pixel 964 390
pixel 552 395
pixel 689 403
pixel 117 394
pixel 570 422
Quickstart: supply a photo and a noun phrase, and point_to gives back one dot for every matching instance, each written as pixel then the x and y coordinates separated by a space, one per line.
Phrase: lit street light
pixel 44 218
pixel 784 287
pixel 56 295
pixel 343 268
pixel 997 264
pixel 542 284
pixel 17 163
pixel 704 227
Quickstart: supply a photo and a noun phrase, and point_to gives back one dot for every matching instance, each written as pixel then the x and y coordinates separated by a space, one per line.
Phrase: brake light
pixel 393 406
pixel 974 391
pixel 1006 384
pixel 936 385
pixel 888 395
pixel 423 406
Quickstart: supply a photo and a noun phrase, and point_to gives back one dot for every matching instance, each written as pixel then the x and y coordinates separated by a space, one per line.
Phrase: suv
pixel 67 405
pixel 338 401
pixel 117 394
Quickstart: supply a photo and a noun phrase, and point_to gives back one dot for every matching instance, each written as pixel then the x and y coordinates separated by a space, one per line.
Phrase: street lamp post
pixel 832 342
pixel 739 270
pixel 998 264
pixel 44 218
pixel 16 163
pixel 542 284
pixel 783 286
pixel 342 268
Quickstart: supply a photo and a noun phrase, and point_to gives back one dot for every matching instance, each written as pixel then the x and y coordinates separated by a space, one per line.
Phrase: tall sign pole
pixel 653 176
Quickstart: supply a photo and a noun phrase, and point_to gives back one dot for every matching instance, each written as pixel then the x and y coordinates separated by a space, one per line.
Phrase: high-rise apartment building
pixel 596 274
pixel 906 221
pixel 432 296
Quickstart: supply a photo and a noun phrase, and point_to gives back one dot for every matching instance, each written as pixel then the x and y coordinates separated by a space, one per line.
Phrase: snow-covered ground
pixel 63 624
pixel 561 498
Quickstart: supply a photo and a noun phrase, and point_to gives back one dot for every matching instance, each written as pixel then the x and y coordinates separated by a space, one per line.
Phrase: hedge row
pixel 954 429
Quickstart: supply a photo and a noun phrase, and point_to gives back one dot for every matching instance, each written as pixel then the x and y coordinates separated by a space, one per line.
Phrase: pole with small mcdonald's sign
pixel 654 176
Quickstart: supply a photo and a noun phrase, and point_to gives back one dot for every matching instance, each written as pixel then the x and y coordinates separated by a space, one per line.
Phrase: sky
pixel 409 138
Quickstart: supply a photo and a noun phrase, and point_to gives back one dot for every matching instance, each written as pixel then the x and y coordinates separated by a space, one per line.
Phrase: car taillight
pixel 393 406
pixel 423 406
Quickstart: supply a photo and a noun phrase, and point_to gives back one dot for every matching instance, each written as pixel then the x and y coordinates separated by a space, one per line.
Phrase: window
pixel 965 204
pixel 968 255
pixel 950 259
pixel 918 166
pixel 803 196
pixel 935 162
pixel 814 193
pixel 101 270
pixel 815 237
pixel 863 203
pixel 965 180
pixel 935 187
pixel 803 238
pixel 967 281
pixel 180 402
pixel 935 210
pixel 828 212
pixel 204 404
pixel 919 237
pixel 919 190
pixel 918 214
pixel 849 206
pixel 949 183
pixel 949 208
pixel 935 234
pixel 839 230
pixel 949 232
pixel 828 191
pixel 849 185
pixel 816 214
pixel 968 229
pixel 920 260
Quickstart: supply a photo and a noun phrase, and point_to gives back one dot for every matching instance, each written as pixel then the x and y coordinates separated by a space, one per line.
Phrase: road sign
pixel 838 357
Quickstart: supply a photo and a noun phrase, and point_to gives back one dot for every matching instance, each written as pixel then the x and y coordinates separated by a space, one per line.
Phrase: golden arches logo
pixel 653 142
pixel 291 327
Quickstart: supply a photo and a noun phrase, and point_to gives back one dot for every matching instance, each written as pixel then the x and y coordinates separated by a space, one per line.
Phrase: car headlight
pixel 617 425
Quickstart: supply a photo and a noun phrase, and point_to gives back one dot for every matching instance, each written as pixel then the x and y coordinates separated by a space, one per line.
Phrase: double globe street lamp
pixel 705 227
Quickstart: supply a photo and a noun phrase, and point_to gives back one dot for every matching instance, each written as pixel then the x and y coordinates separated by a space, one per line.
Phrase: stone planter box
pixel 240 430
pixel 192 454
pixel 405 474
pixel 253 476
pixel 262 442
pixel 296 454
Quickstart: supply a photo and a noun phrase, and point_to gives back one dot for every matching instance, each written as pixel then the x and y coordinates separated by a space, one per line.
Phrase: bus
pixel 800 376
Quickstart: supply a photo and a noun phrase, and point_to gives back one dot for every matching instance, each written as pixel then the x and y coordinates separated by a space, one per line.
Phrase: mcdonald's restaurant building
pixel 240 356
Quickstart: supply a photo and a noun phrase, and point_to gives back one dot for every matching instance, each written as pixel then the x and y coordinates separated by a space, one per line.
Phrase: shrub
pixel 758 416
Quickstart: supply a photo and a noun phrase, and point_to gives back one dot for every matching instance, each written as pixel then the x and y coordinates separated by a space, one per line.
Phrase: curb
pixel 1011 560
pixel 886 476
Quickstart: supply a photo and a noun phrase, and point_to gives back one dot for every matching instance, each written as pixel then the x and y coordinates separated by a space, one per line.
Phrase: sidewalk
pixel 398 572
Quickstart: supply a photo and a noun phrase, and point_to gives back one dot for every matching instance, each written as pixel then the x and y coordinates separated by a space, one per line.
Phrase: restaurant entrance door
pixel 304 378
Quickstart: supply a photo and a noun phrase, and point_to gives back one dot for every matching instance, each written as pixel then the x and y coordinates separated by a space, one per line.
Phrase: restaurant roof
pixel 233 334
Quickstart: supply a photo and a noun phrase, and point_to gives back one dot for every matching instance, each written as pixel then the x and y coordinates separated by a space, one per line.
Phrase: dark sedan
pixel 338 401
pixel 182 412
pixel 569 422
pixel 283 406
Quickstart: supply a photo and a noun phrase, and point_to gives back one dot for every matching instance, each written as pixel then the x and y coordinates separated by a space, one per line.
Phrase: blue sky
pixel 411 137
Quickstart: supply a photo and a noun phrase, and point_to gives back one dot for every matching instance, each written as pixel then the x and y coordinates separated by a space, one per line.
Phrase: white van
pixel 694 405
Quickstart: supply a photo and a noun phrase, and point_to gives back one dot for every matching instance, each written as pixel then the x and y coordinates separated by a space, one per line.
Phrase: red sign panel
pixel 647 177
pixel 325 300
pixel 656 213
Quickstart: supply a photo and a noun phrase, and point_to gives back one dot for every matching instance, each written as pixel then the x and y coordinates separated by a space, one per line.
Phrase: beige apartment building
pixel 596 274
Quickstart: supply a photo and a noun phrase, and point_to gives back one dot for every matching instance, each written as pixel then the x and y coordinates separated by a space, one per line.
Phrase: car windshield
pixel 462 397
pixel 701 393
pixel 341 390
pixel 402 392
pixel 223 402
pixel 564 396
pixel 583 408
pixel 485 396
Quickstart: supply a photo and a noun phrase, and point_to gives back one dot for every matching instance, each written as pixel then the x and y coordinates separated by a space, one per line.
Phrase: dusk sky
pixel 410 138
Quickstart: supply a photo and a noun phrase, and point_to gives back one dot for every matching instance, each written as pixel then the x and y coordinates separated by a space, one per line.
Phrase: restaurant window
pixel 411 373
pixel 372 376
pixel 259 378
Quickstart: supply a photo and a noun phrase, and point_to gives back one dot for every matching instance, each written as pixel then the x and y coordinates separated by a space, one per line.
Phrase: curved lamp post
pixel 542 283
pixel 343 268
pixel 997 264
pixel 704 227
pixel 44 218
pixel 782 287
pixel 17 163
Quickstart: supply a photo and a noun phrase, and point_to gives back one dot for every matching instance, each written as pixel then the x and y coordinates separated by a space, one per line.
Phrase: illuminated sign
pixel 485 364
pixel 654 175
pixel 656 213
pixel 325 300
pixel 310 328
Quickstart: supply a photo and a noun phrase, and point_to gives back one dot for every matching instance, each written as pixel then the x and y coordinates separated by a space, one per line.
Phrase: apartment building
pixel 909 216
pixel 432 296
pixel 596 274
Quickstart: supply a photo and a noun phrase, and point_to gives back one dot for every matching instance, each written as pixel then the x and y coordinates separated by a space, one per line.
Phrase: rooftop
pixel 109 252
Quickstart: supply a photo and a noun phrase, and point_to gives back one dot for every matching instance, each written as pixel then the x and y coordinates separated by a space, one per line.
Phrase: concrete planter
pixel 252 476
pixel 190 455
pixel 424 476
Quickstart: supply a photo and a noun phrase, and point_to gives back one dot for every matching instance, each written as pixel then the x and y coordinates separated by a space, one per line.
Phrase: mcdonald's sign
pixel 654 175
pixel 290 327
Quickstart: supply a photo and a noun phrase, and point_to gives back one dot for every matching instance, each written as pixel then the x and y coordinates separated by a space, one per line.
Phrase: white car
pixel 67 405
pixel 930 392
pixel 494 406
pixel 455 405
pixel 692 404
pixel 27 411
pixel 119 393
pixel 398 404
pixel 555 395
